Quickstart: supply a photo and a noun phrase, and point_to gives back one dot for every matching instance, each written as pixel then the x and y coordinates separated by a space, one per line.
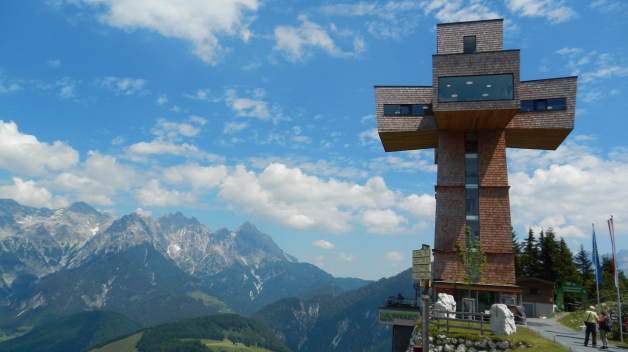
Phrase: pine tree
pixel 518 250
pixel 567 269
pixel 585 270
pixel 531 266
pixel 549 255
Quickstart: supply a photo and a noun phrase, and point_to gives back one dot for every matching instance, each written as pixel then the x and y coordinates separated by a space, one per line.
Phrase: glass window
pixel 471 202
pixel 475 88
pixel 469 44
pixel 543 105
pixel 556 104
pixel 471 168
pixel 407 109
pixel 527 105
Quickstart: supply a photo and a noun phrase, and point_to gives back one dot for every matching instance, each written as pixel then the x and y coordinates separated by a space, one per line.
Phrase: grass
pixel 210 301
pixel 125 345
pixel 228 346
pixel 524 335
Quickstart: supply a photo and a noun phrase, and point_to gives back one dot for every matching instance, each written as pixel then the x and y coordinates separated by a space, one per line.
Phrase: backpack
pixel 608 325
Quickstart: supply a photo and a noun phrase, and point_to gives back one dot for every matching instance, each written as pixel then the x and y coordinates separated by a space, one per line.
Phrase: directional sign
pixel 421 276
pixel 421 268
pixel 421 253
pixel 420 260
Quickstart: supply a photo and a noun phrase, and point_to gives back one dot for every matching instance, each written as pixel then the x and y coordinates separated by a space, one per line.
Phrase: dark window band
pixel 543 105
pixel 407 109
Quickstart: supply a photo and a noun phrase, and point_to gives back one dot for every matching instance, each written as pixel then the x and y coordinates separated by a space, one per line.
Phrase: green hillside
pixel 346 322
pixel 72 333
pixel 210 333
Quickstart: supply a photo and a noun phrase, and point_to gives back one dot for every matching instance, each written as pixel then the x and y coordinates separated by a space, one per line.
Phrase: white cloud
pixel 24 154
pixel 323 244
pixel 175 108
pixel 394 256
pixel 53 63
pixel 153 194
pixel 291 198
pixel 296 43
pixel 369 137
pixel 29 194
pixel 569 188
pixel 458 10
pixel 126 85
pixel 346 258
pixel 200 177
pixel 232 127
pixel 118 140
pixel 200 22
pixel 247 107
pixel 143 212
pixel 591 96
pixel 173 129
pixel 552 9
pixel 68 88
pixel 405 161
pixel 163 98
pixel 382 221
pixel 367 117
pixel 139 151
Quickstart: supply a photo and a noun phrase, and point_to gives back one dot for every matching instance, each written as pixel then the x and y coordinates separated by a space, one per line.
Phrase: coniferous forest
pixel 549 258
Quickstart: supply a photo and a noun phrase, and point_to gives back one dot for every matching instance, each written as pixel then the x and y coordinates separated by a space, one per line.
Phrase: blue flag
pixel 596 260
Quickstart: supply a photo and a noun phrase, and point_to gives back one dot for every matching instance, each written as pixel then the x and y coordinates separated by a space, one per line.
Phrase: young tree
pixel 585 269
pixel 531 256
pixel 472 258
pixel 518 249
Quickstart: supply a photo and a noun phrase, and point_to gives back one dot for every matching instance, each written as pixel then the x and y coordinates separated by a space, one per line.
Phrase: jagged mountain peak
pixel 82 208
pixel 177 221
pixel 8 202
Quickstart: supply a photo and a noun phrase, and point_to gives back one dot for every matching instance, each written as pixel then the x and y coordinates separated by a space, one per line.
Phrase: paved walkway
pixel 569 339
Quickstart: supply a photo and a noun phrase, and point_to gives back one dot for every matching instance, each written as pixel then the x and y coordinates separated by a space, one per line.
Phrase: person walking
pixel 589 322
pixel 601 321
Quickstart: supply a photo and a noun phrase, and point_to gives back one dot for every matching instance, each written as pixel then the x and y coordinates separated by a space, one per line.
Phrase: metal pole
pixel 426 312
pixel 621 331
pixel 597 284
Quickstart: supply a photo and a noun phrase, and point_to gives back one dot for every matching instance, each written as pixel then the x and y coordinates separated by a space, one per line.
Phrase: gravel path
pixel 569 339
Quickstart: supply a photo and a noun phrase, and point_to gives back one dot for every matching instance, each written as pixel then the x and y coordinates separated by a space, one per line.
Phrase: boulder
pixel 445 302
pixel 502 320
pixel 461 348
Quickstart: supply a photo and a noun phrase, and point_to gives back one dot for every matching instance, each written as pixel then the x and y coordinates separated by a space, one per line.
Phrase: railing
pixel 464 317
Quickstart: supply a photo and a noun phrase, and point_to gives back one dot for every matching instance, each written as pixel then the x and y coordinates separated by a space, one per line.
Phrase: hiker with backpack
pixel 605 325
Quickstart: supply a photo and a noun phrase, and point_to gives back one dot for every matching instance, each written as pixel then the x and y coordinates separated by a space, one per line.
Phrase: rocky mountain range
pixel 59 262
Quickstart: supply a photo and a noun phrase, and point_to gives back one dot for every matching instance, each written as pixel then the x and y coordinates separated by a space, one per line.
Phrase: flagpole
pixel 621 331
pixel 596 261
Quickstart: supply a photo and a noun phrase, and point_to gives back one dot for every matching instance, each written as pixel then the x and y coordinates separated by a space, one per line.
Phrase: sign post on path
pixel 422 270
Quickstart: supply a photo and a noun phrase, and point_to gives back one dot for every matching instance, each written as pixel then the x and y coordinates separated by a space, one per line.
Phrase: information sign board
pixel 420 260
pixel 421 253
pixel 420 268
pixel 421 276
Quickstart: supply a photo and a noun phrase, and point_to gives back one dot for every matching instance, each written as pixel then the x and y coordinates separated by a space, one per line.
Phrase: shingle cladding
pixel 489 36
pixel 543 129
pixel 405 132
pixel 485 63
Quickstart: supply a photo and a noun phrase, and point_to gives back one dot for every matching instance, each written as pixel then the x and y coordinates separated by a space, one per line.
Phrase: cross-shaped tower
pixel 476 107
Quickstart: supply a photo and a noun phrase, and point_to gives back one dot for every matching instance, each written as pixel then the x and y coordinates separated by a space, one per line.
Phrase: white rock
pixel 480 344
pixel 469 343
pixel 472 349
pixel 445 302
pixel 461 348
pixel 503 345
pixel 448 348
pixel 492 345
pixel 441 336
pixel 438 348
pixel 439 342
pixel 454 341
pixel 502 320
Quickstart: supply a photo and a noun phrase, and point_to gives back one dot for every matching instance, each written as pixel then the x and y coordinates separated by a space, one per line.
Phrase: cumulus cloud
pixel 568 188
pixel 126 85
pixel 24 154
pixel 405 161
pixel 232 127
pixel 552 9
pixel 382 221
pixel 153 194
pixel 324 244
pixel 139 151
pixel 394 256
pixel 201 22
pixel 247 107
pixel 200 177
pixel 289 197
pixel 143 212
pixel 163 98
pixel 29 194
pixel 173 129
pixel 369 137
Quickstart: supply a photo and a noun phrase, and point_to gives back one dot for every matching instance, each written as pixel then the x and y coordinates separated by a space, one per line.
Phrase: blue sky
pixel 239 110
